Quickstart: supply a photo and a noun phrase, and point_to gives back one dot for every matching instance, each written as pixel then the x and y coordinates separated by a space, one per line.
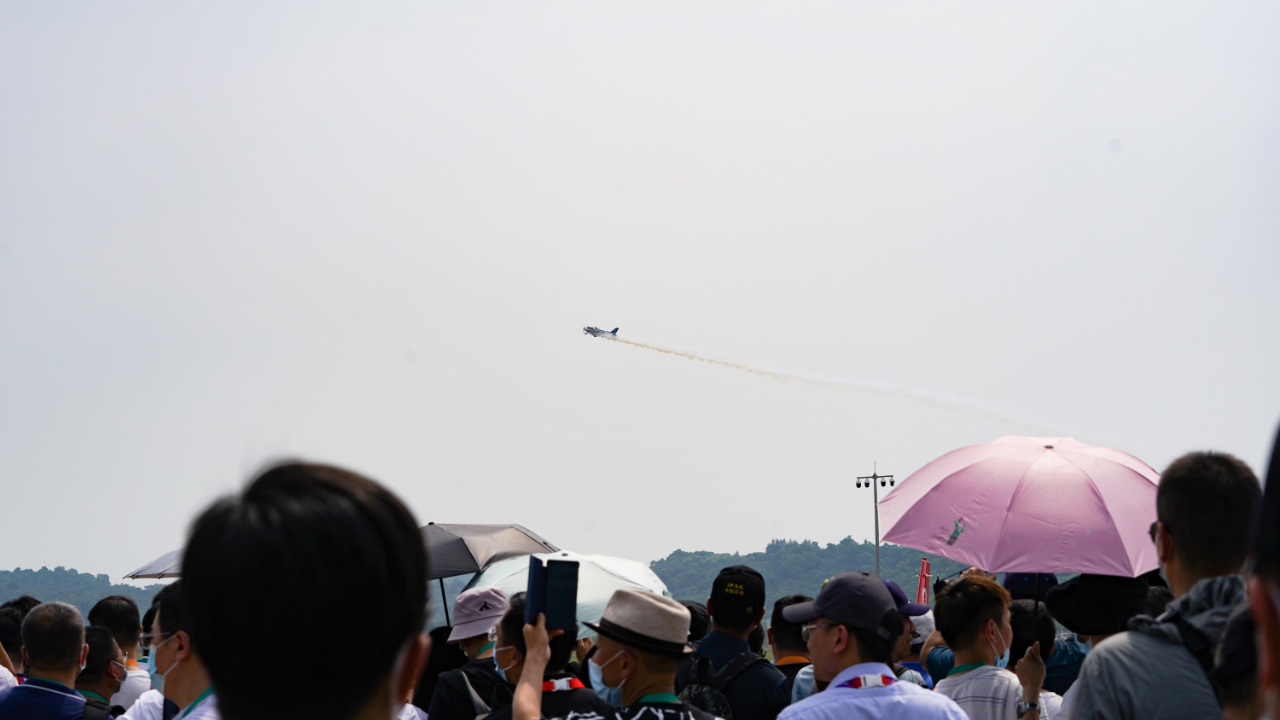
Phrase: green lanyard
pixel 660 698
pixel 203 696
pixel 966 668
pixel 96 696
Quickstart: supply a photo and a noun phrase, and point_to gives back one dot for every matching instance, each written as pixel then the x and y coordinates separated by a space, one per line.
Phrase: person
pixel 850 630
pixel 144 658
pixel 699 620
pixel 464 693
pixel 754 690
pixel 1235 669
pixel 1032 623
pixel 53 651
pixel 119 613
pixel 179 670
pixel 973 617
pixel 1204 505
pixel 444 657
pixel 562 693
pixel 641 641
pixel 306 563
pixel 1095 607
pixel 11 646
pixel 790 655
pixel 103 674
pixel 907 610
pixel 924 627
pixel 1264 586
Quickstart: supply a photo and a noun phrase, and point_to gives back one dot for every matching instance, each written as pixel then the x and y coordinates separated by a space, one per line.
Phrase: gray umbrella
pixel 463 549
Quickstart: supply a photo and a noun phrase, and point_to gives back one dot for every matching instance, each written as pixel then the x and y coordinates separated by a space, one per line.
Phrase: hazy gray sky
pixel 371 236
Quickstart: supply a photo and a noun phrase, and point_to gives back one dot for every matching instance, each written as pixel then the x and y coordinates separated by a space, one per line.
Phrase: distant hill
pixel 792 567
pixel 79 589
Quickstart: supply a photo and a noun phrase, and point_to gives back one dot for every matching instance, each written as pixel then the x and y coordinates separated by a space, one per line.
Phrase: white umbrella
pixel 598 577
pixel 168 565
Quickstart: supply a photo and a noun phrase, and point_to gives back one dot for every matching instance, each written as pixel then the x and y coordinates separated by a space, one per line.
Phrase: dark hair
pixel 174 611
pixel 11 632
pixel 512 623
pixel 102 651
pixel 24 604
pixel 786 634
pixel 1206 502
pixel 53 634
pixel 306 559
pixel 1158 598
pixel 444 656
pixel 118 613
pixel 755 641
pixel 872 647
pixel 964 608
pixel 699 620
pixel 1030 624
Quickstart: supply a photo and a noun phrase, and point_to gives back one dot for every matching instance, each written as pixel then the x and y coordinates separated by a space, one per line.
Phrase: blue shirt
pixel 928 679
pixel 897 700
pixel 758 692
pixel 40 699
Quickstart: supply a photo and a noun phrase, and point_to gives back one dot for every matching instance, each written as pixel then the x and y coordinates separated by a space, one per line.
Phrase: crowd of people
pixel 305 596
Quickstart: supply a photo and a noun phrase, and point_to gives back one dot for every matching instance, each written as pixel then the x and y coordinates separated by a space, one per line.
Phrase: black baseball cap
pixel 737 592
pixel 905 606
pixel 858 600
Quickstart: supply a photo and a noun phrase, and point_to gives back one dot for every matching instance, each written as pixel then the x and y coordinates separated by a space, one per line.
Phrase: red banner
pixel 922 594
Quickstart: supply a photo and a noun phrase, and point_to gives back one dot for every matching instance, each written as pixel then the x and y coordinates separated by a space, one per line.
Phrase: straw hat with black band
pixel 647 622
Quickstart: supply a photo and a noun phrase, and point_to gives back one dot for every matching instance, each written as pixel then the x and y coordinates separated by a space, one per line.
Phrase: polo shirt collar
pixel 719 639
pixel 859 670
pixel 51 685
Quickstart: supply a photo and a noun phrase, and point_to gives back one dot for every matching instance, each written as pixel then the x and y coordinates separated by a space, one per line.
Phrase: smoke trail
pixel 879 389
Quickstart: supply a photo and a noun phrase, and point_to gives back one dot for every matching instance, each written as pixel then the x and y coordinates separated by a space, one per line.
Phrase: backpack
pixel 95 710
pixel 705 690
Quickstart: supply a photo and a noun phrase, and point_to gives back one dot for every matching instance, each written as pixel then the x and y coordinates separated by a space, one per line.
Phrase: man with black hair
pixel 754 688
pixel 850 630
pixel 562 692
pixel 1032 624
pixel 469 691
pixel 307 559
pixel 790 655
pixel 972 614
pixel 1204 504
pixel 24 604
pixel 103 674
pixel 641 639
pixel 53 650
pixel 179 670
pixel 119 614
pixel 144 648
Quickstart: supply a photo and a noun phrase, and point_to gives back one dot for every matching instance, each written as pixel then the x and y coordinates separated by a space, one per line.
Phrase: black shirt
pixel 758 692
pixel 451 700
pixel 561 703
pixel 790 670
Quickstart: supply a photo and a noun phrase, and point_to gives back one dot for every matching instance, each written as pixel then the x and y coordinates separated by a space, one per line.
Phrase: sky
pixel 371 234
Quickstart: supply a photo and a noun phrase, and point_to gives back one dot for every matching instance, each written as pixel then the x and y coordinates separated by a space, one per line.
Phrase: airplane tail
pixel 614 332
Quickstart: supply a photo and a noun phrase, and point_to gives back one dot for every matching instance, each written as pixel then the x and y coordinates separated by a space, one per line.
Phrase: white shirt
pixel 1064 709
pixel 7 680
pixel 136 682
pixel 992 693
pixel 896 700
pixel 148 706
pixel 206 709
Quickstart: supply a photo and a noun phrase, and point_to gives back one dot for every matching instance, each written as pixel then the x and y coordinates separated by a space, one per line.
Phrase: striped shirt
pixel 992 693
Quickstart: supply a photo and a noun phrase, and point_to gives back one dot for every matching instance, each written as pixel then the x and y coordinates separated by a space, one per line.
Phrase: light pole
pixel 870 481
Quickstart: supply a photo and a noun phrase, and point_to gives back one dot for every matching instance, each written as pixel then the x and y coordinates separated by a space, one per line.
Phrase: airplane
pixel 597 332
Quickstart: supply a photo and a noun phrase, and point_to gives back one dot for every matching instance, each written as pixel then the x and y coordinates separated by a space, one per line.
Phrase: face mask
pixel 157 677
pixel 1088 645
pixel 502 671
pixel 1002 660
pixel 611 695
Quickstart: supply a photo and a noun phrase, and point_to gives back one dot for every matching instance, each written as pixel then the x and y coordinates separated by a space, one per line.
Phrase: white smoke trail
pixel 879 389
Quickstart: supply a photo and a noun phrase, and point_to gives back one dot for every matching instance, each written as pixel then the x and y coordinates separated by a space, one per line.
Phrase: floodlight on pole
pixel 870 481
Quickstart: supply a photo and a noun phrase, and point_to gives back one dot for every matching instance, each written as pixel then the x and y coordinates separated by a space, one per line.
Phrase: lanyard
pixel 792 659
pixel 203 696
pixel 660 698
pixel 868 681
pixel 562 684
pixel 966 668
pixel 89 693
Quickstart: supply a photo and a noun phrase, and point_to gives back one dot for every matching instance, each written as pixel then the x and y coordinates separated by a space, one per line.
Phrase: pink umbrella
pixel 1024 504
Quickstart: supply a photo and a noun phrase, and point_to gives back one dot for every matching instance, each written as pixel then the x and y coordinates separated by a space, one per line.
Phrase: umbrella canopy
pixel 1025 504
pixel 453 549
pixel 598 577
pixel 464 549
pixel 168 565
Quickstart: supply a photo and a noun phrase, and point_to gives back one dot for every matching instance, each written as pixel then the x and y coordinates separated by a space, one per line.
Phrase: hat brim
pixel 473 628
pixel 801 612
pixel 913 609
pixel 631 638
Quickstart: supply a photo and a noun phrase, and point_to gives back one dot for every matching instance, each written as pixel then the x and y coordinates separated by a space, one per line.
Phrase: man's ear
pixel 84 654
pixel 710 608
pixel 182 644
pixel 1164 543
pixel 759 616
pixel 768 636
pixel 1267 618
pixel 26 661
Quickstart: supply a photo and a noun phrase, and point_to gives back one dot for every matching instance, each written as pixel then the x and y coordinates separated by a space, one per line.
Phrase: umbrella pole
pixel 445 602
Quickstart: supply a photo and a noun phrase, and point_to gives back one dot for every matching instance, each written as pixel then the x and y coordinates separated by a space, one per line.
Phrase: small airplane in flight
pixel 597 332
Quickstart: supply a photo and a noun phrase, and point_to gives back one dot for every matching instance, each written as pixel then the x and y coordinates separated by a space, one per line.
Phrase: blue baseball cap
pixel 858 600
pixel 909 609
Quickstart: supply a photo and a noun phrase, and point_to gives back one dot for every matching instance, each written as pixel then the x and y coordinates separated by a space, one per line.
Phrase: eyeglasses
pixel 1152 530
pixel 807 630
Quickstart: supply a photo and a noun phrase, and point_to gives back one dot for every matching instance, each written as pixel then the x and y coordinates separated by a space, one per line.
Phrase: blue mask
pixel 611 695
pixel 502 671
pixel 1088 645
pixel 1002 660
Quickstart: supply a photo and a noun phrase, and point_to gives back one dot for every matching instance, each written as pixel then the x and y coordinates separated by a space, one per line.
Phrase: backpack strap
pixel 733 668
pixel 480 706
pixel 94 710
